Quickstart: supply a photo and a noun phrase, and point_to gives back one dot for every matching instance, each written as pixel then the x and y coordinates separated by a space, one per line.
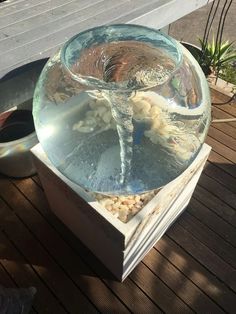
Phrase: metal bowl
pixel 16 90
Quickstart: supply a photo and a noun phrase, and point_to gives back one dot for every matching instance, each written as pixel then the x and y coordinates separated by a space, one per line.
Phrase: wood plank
pixel 215 204
pixel 14 5
pixel 222 138
pixel 226 127
pixel 158 291
pixel 87 19
pixel 209 238
pixel 24 276
pixel 177 281
pixel 197 273
pixel 128 291
pixel 94 289
pixel 229 108
pixel 18 5
pixel 22 15
pixel 59 31
pixel 20 33
pixel 203 255
pixel 7 282
pixel 221 149
pixel 222 163
pixel 214 171
pixel 5 278
pixel 218 97
pixel 213 221
pixel 120 291
pixel 218 190
pixel 37 181
pixel 42 262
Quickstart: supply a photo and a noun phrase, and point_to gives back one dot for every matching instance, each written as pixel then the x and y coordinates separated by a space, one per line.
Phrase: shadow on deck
pixel 191 269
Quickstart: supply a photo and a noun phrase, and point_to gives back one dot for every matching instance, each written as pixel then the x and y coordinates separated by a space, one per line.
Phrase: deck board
pixel 24 275
pixel 6 279
pixel 191 269
pixel 223 138
pixel 203 255
pixel 216 205
pixel 209 238
pixel 218 190
pixel 42 261
pixel 222 163
pixel 176 280
pixel 212 221
pixel 196 273
pixel 21 32
pixel 221 176
pixel 32 29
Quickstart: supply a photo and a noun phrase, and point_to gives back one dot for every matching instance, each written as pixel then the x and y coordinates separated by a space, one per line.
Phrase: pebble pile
pixel 125 207
pixel 176 136
pixel 150 108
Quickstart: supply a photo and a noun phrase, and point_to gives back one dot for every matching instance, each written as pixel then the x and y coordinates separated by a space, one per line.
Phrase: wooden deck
pixel 35 29
pixel 191 269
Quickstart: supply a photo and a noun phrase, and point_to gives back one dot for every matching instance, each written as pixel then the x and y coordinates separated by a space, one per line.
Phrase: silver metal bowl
pixel 16 159
pixel 16 90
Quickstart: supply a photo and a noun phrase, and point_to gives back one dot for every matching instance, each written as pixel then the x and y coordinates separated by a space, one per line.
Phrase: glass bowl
pixel 122 109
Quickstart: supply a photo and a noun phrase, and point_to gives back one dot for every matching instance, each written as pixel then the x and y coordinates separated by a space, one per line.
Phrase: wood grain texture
pixel 128 292
pixel 33 29
pixel 24 275
pixel 191 269
pixel 43 263
pixel 196 272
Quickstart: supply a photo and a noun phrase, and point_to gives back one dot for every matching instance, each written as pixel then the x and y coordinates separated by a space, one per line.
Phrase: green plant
pixel 228 73
pixel 214 56
pixel 216 53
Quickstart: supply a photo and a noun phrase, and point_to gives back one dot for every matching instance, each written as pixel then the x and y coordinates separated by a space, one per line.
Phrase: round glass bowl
pixel 122 109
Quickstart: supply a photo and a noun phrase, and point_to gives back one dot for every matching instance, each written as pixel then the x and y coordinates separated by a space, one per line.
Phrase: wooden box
pixel 120 246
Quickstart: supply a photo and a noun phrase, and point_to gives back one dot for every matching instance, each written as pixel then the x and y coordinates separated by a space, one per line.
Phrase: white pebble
pixel 76 126
pixel 138 116
pixel 85 129
pixel 122 198
pixel 155 111
pixel 109 201
pixel 93 104
pixel 101 110
pixel 145 106
pixel 107 117
pixel 91 121
pixel 154 139
pixel 156 124
pixel 109 207
pixel 123 207
pixel 129 202
pixel 148 133
pixel 90 113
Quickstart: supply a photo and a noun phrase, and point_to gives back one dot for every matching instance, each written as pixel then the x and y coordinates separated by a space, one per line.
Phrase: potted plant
pixel 215 54
pixel 216 57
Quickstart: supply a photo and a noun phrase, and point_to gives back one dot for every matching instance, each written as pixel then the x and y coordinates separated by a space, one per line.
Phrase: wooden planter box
pixel 120 246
